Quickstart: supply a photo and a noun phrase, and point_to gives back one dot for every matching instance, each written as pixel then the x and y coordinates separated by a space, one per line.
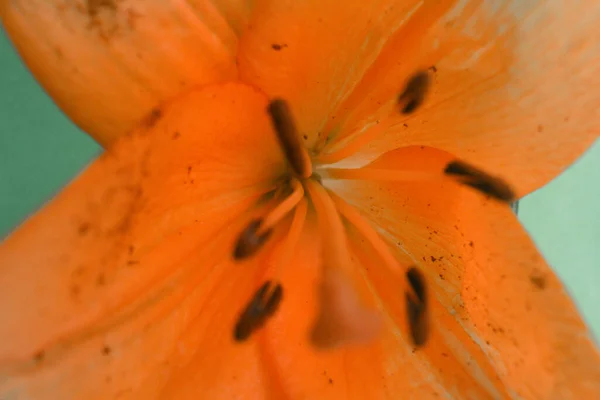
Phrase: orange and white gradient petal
pixel 486 273
pixel 511 88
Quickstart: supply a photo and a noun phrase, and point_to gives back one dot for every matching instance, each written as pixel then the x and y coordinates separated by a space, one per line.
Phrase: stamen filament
pixel 384 175
pixel 337 252
pixel 365 229
pixel 283 208
pixel 289 138
pixel 292 238
pixel 357 141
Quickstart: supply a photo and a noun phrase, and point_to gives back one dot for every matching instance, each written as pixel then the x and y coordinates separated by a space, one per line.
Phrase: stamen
pixel 289 138
pixel 384 175
pixel 258 231
pixel 342 317
pixel 458 171
pixel 416 307
pixel 292 238
pixel 262 306
pixel 351 146
pixel 479 180
pixel 409 100
pixel 414 290
pixel 414 92
pixel 250 241
pixel 365 229
pixel 282 208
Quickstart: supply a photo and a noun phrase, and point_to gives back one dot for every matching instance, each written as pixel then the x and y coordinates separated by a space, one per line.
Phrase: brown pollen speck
pixel 278 47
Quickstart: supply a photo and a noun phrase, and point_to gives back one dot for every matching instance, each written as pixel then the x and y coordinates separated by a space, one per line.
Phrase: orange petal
pixel 114 286
pixel 484 269
pixel 108 64
pixel 512 88
pixel 313 53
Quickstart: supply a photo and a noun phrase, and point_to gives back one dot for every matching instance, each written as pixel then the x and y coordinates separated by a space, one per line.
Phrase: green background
pixel 41 150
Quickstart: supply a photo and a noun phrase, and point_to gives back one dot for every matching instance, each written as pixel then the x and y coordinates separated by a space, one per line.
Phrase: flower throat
pixel 341 317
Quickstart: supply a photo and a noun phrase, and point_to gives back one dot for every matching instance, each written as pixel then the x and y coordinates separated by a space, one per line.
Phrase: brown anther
pixel 416 307
pixel 263 305
pixel 250 241
pixel 289 138
pixel 481 181
pixel 414 93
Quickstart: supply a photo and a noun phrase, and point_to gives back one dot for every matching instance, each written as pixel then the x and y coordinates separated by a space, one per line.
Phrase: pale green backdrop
pixel 40 150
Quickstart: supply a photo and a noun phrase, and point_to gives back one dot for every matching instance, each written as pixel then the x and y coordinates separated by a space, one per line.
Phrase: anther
pixel 480 181
pixel 250 240
pixel 263 305
pixel 289 138
pixel 414 92
pixel 416 307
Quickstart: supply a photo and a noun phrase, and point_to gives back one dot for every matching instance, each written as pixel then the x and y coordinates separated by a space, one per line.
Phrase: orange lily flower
pixel 301 199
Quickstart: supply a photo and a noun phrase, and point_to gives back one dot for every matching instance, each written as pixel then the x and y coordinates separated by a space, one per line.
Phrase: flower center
pixel 342 317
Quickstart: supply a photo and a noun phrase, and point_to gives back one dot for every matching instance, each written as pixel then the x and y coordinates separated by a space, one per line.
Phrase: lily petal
pixel 485 270
pixel 109 63
pixel 511 88
pixel 313 53
pixel 112 286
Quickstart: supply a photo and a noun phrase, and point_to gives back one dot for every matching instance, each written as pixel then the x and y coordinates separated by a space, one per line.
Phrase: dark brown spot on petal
pixel 416 307
pixel 539 282
pixel 106 350
pixel 287 134
pixel 39 356
pixel 263 305
pixel 250 241
pixel 278 47
pixel 414 93
pixel 176 135
pixel 94 6
pixel 152 118
pixel 479 180
pixel 84 228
